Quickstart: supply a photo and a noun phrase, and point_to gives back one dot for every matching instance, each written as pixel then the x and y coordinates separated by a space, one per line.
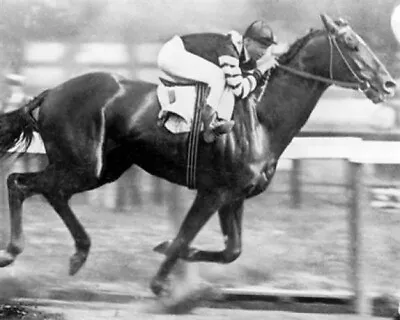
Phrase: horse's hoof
pixel 76 262
pixel 162 247
pixel 182 305
pixel 160 288
pixel 6 258
pixel 210 292
pixel 185 302
pixel 156 287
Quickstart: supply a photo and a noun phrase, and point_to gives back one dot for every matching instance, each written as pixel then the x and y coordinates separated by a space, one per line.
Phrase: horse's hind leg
pixel 57 186
pixel 82 240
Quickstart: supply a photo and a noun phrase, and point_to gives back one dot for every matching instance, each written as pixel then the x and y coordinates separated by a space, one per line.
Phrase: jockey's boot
pixel 212 126
pixel 162 119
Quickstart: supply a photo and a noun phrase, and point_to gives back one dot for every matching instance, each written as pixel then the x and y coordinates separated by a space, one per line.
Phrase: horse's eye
pixel 342 22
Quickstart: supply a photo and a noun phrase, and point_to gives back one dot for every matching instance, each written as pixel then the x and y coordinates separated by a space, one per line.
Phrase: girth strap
pixel 193 139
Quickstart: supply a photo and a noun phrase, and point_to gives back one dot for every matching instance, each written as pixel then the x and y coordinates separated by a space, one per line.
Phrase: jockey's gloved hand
pixel 266 62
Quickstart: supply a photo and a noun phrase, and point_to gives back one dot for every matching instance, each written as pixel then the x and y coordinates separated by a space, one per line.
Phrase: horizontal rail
pixel 343 295
pixel 372 135
pixel 353 149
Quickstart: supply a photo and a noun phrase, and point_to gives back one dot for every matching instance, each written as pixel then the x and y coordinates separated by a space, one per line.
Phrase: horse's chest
pixel 260 179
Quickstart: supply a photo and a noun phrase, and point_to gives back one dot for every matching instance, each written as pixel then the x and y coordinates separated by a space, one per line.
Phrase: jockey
pixel 218 60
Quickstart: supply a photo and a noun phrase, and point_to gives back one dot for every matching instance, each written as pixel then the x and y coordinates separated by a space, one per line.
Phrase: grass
pixel 304 248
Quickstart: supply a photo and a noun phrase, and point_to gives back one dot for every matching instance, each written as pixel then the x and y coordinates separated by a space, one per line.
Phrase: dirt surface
pixel 16 311
pixel 303 248
pixel 151 310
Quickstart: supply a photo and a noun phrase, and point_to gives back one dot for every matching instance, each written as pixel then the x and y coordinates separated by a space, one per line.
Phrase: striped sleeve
pixel 241 85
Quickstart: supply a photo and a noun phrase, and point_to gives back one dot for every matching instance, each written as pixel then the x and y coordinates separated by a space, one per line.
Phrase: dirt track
pixel 149 310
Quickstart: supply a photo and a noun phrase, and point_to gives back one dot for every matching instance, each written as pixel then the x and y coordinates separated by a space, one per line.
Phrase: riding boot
pixel 212 126
pixel 162 119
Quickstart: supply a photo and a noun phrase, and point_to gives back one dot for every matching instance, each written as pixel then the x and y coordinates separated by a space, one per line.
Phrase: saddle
pixel 178 101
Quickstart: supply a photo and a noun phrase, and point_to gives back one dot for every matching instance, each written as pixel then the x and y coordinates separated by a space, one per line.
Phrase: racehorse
pixel 95 126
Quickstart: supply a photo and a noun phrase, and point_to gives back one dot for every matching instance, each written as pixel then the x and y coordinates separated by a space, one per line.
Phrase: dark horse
pixel 95 126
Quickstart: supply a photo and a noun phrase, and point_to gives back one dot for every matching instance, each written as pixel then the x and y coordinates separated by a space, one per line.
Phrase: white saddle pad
pixel 179 102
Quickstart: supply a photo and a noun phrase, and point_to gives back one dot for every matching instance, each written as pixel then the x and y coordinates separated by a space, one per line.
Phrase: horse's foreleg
pixel 231 224
pixel 230 217
pixel 204 206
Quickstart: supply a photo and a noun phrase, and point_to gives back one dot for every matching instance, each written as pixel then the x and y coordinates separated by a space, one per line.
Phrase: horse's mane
pixel 286 57
pixel 296 46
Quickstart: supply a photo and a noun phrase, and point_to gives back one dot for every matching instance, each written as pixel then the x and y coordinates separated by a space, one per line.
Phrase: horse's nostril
pixel 390 85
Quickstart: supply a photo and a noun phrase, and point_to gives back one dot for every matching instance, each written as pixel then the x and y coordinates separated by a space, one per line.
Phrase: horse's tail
pixel 17 127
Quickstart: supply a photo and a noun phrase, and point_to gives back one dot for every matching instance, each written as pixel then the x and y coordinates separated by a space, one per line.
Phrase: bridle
pixel 360 84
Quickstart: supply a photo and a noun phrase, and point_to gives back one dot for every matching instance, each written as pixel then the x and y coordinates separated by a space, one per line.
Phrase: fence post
pixel 128 194
pixel 5 219
pixel 158 190
pixel 295 183
pixel 359 205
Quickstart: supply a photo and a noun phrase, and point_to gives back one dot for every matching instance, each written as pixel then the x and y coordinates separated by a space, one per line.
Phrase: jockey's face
pixel 256 49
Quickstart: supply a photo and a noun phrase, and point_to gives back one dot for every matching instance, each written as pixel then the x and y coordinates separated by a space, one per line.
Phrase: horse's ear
pixel 329 24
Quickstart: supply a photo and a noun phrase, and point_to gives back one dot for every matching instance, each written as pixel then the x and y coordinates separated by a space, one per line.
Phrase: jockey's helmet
pixel 260 32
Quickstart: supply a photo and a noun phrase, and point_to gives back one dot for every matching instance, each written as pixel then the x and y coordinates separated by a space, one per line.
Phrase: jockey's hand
pixel 266 62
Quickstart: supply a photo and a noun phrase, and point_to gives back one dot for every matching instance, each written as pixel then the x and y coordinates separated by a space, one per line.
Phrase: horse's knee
pixel 15 188
pixel 12 181
pixel 231 255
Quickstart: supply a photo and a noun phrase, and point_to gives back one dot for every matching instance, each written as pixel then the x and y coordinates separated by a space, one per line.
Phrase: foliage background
pixel 142 20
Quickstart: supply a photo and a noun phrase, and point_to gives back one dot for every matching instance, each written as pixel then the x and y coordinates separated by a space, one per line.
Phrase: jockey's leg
pixel 174 60
pixel 212 126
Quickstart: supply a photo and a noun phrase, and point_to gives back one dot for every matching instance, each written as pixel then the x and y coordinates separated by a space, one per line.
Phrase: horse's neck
pixel 286 105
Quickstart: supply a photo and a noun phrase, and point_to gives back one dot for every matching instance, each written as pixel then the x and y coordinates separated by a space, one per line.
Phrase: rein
pixel 360 84
pixel 308 75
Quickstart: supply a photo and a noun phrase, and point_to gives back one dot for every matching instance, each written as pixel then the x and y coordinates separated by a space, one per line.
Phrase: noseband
pixel 360 84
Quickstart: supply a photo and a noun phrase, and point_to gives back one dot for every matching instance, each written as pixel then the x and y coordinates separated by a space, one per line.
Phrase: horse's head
pixel 343 56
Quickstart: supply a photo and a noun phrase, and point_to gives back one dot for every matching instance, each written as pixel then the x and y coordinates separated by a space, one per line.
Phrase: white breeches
pixel 179 64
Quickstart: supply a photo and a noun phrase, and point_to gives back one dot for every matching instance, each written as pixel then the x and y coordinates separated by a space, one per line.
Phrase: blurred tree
pixel 48 19
pixel 41 19
pixel 369 18
pixel 157 20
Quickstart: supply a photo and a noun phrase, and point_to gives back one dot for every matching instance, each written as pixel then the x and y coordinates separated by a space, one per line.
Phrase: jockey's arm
pixel 241 84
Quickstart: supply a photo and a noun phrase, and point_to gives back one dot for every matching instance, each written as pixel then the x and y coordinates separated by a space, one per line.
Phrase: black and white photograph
pixel 199 159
